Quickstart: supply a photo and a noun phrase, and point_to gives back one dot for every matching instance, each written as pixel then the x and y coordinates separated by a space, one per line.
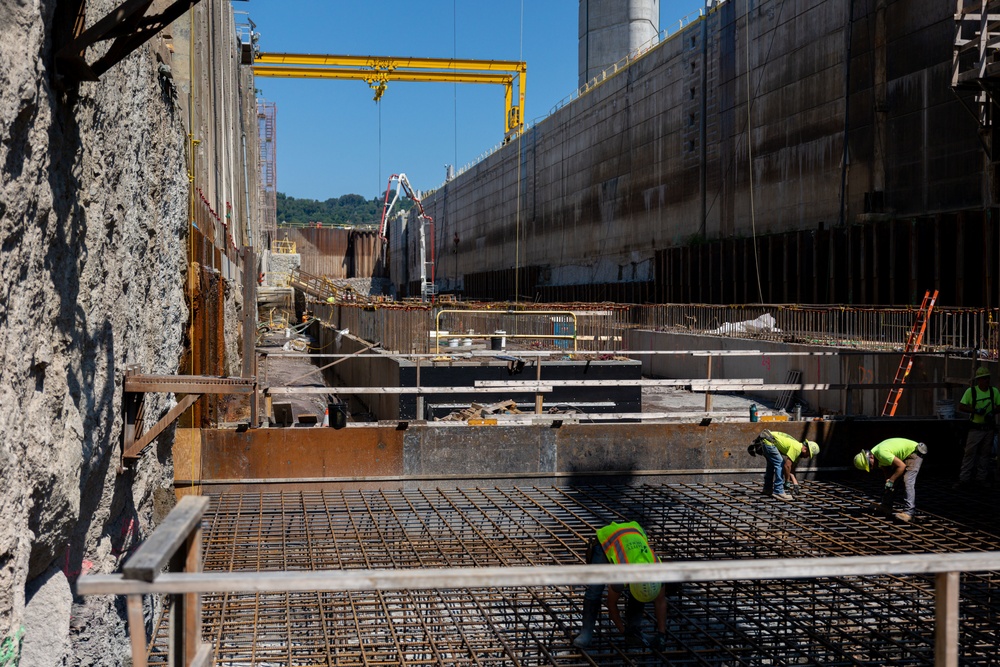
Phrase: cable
pixel 732 159
pixel 517 215
pixel 454 86
pixel 378 178
pixel 753 217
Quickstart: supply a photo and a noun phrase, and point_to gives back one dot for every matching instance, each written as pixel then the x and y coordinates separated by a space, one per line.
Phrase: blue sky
pixel 333 139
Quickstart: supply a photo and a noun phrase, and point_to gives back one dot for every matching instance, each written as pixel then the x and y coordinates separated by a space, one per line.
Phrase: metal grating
pixel 847 621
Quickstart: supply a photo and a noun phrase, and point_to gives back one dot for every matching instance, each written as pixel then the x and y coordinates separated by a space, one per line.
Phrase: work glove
pixel 888 485
pixel 754 448
pixel 793 489
pixel 981 412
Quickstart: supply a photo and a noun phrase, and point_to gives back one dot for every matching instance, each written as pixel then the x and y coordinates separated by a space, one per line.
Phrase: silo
pixel 611 29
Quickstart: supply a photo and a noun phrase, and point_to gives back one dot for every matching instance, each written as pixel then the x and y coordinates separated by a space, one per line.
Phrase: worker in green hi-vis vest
pixel 896 457
pixel 620 543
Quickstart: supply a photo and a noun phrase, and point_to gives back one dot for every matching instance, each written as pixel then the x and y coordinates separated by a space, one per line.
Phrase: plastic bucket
pixel 946 409
pixel 499 340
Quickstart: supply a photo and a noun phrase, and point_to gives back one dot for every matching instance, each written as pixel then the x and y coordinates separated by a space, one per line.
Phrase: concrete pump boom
pixel 426 229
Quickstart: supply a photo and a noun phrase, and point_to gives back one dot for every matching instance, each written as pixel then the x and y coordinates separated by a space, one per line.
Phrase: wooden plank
pixel 192 601
pixel 722 383
pixel 530 388
pixel 146 563
pixel 204 657
pixel 136 630
pixel 946 590
pixel 543 575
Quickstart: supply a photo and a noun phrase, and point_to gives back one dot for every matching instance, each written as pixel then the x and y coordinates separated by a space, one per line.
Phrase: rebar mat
pixel 877 620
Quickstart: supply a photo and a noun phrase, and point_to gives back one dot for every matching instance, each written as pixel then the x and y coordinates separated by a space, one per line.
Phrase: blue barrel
pixel 563 326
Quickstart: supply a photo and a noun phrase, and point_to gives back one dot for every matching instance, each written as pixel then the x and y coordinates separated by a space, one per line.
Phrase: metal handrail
pixel 945 566
pixel 561 313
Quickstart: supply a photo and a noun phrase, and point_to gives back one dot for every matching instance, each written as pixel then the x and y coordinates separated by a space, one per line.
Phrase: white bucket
pixel 946 409
pixel 466 342
pixel 452 342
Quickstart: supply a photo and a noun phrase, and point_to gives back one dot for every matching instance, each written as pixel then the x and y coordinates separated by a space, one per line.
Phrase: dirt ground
pixel 280 371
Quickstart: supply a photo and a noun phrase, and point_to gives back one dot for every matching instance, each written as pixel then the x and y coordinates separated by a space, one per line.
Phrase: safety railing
pixel 283 247
pixel 412 327
pixel 558 326
pixel 142 576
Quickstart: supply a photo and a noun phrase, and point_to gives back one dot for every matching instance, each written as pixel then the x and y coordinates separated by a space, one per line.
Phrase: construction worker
pixel 979 400
pixel 897 457
pixel 782 453
pixel 623 543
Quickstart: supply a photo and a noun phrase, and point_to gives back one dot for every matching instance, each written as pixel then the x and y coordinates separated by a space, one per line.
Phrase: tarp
pixel 763 323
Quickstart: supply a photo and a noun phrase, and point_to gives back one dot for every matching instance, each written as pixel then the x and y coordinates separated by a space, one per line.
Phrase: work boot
pixel 591 608
pixel 782 496
pixel 657 642
pixel 903 516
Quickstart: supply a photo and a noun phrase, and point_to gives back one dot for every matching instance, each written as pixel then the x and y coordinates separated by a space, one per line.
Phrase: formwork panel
pixel 877 620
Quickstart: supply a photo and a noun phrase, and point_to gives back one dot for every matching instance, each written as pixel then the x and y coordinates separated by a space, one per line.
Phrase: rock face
pixel 93 208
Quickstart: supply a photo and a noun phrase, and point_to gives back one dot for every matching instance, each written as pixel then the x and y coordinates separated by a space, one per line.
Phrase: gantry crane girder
pixel 377 71
pixel 975 64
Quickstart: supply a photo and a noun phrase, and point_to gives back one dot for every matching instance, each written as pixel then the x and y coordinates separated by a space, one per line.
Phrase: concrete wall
pixel 428 455
pixel 665 154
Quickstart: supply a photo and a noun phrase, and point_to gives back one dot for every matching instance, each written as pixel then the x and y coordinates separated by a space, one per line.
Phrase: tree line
pixel 346 210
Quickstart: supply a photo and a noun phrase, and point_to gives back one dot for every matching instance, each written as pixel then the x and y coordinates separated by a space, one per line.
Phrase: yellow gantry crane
pixel 378 71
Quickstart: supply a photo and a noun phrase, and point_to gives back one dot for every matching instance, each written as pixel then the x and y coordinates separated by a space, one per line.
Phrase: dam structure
pixel 232 442
pixel 825 151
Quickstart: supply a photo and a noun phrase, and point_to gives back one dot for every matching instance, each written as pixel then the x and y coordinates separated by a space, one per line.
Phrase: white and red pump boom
pixel 426 232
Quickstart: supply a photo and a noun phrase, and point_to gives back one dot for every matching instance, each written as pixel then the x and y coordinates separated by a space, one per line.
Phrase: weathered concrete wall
pixel 94 210
pixel 665 153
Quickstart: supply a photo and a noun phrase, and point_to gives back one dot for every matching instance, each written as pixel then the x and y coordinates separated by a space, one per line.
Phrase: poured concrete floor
pixel 883 620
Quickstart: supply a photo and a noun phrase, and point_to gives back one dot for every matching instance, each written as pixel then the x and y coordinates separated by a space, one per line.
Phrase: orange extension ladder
pixel 912 345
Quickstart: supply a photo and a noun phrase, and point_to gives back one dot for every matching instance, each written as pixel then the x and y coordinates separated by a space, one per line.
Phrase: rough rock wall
pixel 93 198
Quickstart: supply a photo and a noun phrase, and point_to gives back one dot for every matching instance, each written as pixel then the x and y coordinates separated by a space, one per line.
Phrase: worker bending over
pixel 623 543
pixel 897 457
pixel 782 453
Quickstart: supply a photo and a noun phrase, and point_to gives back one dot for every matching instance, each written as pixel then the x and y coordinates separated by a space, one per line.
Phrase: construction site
pixel 232 442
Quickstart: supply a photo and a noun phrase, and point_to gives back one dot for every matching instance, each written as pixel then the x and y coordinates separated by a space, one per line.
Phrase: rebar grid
pixel 847 621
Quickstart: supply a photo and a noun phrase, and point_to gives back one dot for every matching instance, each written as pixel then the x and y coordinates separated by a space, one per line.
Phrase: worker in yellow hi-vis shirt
pixel 897 457
pixel 782 452
pixel 619 543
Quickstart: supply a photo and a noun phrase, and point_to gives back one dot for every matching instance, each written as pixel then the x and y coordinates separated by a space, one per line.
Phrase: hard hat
pixel 982 372
pixel 812 447
pixel 861 461
pixel 644 592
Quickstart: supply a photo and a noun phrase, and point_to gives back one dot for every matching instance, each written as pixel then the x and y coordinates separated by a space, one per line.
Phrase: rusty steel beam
pixel 134 449
pixel 189 384
pixel 129 27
